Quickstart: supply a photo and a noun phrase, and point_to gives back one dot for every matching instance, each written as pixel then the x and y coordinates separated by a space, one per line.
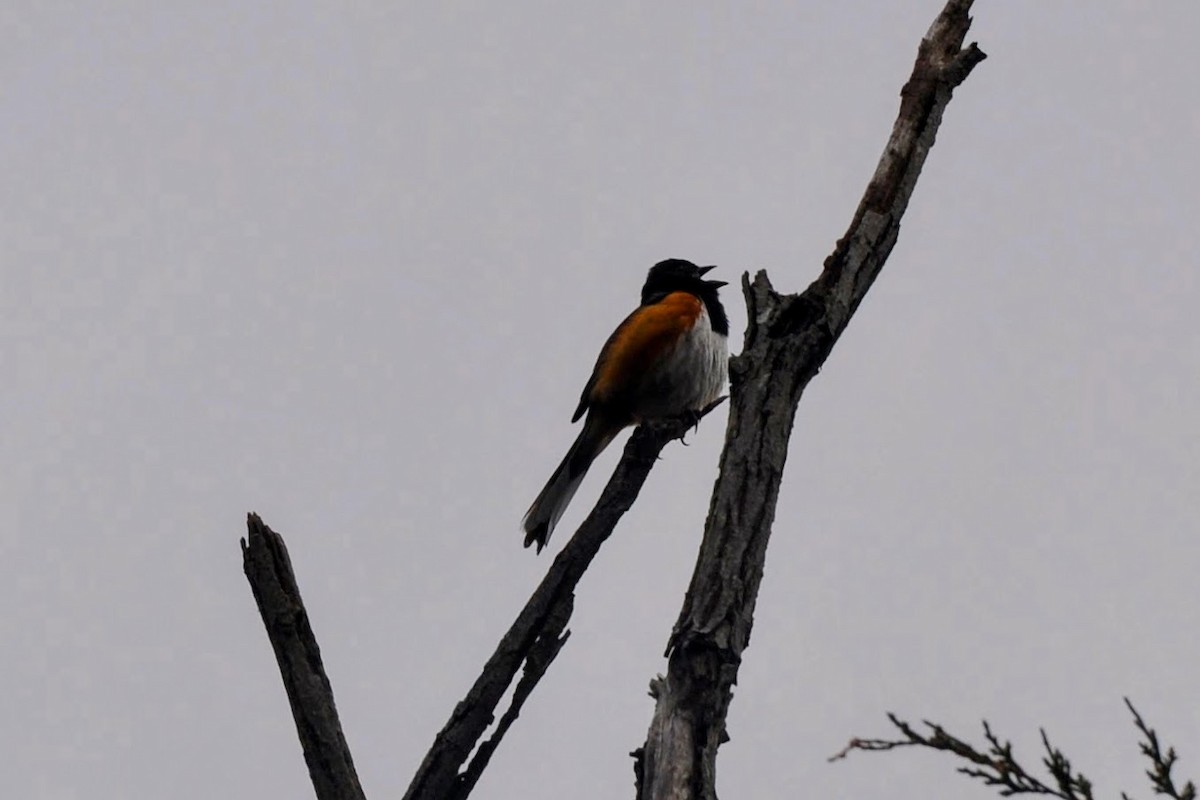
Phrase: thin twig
pixel 1161 763
pixel 996 765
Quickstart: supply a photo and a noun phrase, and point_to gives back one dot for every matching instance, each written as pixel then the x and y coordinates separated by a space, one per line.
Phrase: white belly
pixel 689 377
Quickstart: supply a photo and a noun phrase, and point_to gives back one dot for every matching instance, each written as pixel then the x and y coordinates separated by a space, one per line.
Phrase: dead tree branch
pixel 537 634
pixel 269 570
pixel 531 643
pixel 787 340
pixel 529 646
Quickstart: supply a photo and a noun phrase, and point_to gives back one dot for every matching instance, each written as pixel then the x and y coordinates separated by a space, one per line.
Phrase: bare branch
pixel 787 341
pixel 537 634
pixel 531 643
pixel 269 571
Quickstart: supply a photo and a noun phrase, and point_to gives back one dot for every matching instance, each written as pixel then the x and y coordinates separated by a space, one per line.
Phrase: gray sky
pixel 348 265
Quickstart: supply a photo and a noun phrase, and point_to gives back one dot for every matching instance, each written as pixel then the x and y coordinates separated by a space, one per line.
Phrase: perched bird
pixel 668 357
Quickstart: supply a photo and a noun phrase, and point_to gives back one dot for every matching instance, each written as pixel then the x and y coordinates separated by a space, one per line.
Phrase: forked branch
pixel 787 340
pixel 995 764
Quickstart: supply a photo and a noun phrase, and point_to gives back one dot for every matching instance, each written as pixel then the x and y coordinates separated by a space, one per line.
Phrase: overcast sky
pixel 348 265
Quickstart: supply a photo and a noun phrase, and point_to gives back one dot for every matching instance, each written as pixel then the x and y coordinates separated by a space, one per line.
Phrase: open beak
pixel 715 284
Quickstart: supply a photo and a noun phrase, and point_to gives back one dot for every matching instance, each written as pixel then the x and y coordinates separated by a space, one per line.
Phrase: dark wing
pixel 585 397
pixel 636 346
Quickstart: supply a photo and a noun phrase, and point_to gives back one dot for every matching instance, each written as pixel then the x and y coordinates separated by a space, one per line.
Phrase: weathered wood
pixel 269 571
pixel 529 646
pixel 536 635
pixel 787 340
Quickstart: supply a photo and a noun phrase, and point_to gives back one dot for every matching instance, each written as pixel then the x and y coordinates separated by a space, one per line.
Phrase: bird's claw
pixel 691 418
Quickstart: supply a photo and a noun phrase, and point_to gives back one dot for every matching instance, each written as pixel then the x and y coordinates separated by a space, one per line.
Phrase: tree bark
pixel 269 570
pixel 787 340
pixel 529 646
pixel 537 634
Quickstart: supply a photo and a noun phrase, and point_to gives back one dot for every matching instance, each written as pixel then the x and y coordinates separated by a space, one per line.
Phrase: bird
pixel 670 356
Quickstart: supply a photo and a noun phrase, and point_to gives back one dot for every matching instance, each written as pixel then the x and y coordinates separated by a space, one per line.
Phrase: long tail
pixel 550 504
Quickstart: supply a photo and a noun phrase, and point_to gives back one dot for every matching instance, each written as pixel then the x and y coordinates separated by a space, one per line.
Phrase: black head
pixel 678 275
pixel 675 275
